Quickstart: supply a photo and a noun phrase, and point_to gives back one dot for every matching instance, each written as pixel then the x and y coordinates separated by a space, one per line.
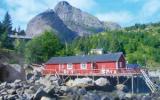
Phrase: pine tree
pixel 7 23
pixel 7 29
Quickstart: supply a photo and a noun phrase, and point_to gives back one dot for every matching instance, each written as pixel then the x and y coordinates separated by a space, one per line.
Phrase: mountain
pixel 48 20
pixel 67 22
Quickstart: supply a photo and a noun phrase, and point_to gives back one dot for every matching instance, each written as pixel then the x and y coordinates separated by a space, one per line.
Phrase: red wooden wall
pixel 99 67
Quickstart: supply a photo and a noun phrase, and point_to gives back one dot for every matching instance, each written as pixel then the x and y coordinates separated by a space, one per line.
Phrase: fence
pixel 122 71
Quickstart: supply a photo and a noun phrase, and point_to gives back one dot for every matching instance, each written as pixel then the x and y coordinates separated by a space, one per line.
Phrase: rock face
pixel 48 20
pixel 80 22
pixel 67 22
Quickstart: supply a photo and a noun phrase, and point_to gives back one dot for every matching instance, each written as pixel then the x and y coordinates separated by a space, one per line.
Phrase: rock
pixel 45 81
pixel 33 88
pixel 28 91
pixel 64 88
pixel 91 96
pixel 111 25
pixel 3 85
pixel 105 98
pixel 101 82
pixel 147 98
pixel 11 91
pixel 120 94
pixel 79 82
pixel 120 87
pixel 11 72
pixel 29 76
pixel 73 91
pixel 17 81
pixel 20 91
pixel 47 98
pixel 53 78
pixel 70 83
pixel 12 97
pixel 128 95
pixel 50 90
pixel 40 93
pixel 81 91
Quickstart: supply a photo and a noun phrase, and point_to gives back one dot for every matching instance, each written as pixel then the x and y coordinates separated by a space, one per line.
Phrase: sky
pixel 123 12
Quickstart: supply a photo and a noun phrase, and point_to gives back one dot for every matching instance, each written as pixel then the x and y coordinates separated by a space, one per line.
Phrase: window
pixel 83 66
pixel 120 64
pixel 69 66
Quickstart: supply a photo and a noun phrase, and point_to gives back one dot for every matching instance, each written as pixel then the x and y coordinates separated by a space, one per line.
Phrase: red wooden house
pixel 86 65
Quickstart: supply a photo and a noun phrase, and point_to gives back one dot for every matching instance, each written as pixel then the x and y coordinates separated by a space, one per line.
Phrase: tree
pixel 6 30
pixel 41 48
pixel 7 23
pixel 19 45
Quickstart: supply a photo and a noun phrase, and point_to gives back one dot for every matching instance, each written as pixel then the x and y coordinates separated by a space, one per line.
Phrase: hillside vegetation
pixel 139 43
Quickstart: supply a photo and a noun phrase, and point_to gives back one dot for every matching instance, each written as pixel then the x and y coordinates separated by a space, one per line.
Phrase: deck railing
pixel 122 71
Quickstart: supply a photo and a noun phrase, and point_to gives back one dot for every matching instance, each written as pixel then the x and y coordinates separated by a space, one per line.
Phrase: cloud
pixel 121 17
pixel 2 12
pixel 83 4
pixel 147 13
pixel 23 10
pixel 150 8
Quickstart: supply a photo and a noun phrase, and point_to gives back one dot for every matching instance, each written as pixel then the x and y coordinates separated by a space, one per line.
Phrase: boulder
pixel 64 88
pixel 120 94
pixel 11 72
pixel 70 83
pixel 91 96
pixel 81 91
pixel 120 87
pixel 105 98
pixel 11 91
pixel 50 90
pixel 47 98
pixel 12 97
pixel 147 98
pixel 79 82
pixel 101 82
pixel 39 94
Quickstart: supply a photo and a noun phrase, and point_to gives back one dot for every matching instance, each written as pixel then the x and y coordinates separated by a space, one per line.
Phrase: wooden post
pixel 137 84
pixel 132 84
pixel 117 79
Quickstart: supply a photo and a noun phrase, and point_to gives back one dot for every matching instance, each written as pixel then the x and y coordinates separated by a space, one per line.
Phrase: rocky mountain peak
pixel 63 3
pixel 67 22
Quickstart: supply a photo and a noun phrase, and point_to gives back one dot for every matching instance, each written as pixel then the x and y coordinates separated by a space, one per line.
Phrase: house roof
pixel 85 59
pixel 133 65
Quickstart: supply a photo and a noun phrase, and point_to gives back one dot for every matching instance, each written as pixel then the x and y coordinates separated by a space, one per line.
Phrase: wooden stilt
pixel 132 85
pixel 117 79
pixel 137 84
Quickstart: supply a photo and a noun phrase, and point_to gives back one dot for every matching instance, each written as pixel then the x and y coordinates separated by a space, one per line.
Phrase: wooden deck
pixel 94 72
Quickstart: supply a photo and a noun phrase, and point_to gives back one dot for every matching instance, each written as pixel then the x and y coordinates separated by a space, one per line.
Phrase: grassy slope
pixel 10 56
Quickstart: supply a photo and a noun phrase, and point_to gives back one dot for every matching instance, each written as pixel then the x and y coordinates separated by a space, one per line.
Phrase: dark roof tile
pixel 86 58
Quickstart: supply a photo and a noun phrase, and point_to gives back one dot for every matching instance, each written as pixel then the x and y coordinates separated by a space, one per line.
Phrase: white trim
pixel 117 65
pixel 69 66
pixel 83 66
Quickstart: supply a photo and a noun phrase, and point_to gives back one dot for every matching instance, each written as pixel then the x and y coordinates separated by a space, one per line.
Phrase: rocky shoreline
pixel 49 88
pixel 38 87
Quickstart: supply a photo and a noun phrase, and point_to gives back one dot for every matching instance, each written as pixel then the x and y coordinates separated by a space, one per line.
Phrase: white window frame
pixel 70 66
pixel 83 65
